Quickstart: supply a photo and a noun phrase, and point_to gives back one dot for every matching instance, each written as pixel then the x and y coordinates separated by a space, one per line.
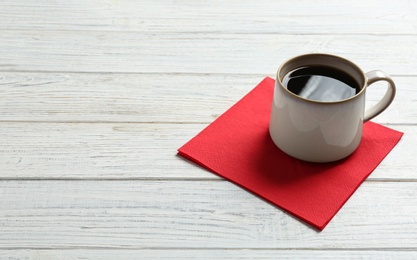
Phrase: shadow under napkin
pixel 280 169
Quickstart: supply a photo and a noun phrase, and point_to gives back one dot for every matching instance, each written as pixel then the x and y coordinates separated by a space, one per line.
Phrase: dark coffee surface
pixel 321 83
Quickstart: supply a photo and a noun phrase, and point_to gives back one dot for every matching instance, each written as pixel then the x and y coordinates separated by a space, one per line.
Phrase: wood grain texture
pixel 145 98
pixel 194 214
pixel 204 254
pixel 132 151
pixel 133 52
pixel 271 17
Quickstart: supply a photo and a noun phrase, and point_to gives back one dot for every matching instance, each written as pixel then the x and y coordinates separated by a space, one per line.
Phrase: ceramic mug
pixel 322 131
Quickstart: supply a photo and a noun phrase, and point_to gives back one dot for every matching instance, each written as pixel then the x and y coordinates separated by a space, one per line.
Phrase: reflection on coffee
pixel 321 83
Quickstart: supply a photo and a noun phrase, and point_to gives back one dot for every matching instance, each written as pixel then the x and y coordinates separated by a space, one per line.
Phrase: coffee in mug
pixel 318 107
pixel 321 83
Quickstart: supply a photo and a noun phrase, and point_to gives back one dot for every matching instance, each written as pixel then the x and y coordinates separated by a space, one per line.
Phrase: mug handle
pixel 378 108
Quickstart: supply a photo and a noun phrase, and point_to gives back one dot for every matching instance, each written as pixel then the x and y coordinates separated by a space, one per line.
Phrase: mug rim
pixel 323 55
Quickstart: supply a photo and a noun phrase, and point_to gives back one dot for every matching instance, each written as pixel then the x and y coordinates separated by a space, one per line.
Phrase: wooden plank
pixel 92 51
pixel 119 97
pixel 191 98
pixel 277 17
pixel 194 214
pixel 133 151
pixel 225 254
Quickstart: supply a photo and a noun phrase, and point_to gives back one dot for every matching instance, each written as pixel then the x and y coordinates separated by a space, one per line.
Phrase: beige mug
pixel 323 131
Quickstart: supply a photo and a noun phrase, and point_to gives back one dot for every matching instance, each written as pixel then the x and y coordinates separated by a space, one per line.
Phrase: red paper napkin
pixel 237 146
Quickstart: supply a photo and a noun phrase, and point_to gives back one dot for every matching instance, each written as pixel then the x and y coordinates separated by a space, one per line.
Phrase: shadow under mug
pixel 318 131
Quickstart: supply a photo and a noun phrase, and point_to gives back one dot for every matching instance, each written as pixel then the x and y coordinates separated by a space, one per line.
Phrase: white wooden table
pixel 96 96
